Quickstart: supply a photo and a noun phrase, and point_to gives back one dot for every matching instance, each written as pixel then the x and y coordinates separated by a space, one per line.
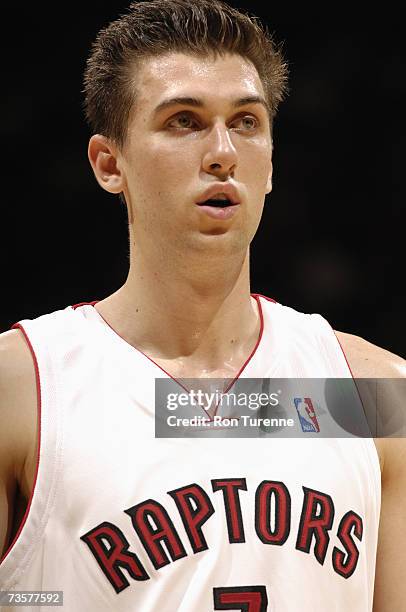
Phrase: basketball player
pixel 181 95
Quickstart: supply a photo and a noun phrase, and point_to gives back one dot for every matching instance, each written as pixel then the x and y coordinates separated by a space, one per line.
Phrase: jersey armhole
pixel 16 559
pixel 371 448
pixel 19 327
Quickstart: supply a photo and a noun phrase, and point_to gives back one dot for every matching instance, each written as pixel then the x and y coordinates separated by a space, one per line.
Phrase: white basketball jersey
pixel 122 521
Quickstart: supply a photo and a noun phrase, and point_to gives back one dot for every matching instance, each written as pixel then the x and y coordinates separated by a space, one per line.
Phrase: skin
pixel 186 302
pixel 180 257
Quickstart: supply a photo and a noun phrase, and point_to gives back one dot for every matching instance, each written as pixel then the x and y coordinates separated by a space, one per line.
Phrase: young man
pixel 181 96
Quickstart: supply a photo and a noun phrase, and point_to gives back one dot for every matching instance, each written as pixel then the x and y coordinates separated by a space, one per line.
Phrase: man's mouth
pixel 219 199
pixel 221 202
pixel 217 203
pixel 220 207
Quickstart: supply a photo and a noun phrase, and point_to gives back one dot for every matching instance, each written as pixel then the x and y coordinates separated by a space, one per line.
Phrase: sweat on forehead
pixel 177 78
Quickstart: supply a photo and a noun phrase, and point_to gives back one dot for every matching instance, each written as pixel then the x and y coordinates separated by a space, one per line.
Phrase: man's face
pixel 198 132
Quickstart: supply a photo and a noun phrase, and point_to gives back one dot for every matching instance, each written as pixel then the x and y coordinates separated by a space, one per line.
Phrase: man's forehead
pixel 181 75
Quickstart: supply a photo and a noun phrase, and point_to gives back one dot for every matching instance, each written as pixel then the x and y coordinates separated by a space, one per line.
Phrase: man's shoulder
pixel 17 378
pixel 18 427
pixel 368 360
pixel 15 357
pixel 18 390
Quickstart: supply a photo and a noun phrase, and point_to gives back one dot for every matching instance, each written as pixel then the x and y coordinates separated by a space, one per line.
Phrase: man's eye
pixel 246 123
pixel 182 121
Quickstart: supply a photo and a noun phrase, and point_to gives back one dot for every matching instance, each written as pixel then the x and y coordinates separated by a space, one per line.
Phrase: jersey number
pixel 244 598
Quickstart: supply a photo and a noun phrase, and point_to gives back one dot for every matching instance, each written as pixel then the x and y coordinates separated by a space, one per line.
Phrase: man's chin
pixel 220 242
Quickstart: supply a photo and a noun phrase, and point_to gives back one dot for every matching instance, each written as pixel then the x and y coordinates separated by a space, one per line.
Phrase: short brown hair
pixel 155 27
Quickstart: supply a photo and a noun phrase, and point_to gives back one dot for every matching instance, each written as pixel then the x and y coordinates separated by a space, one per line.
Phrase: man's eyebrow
pixel 197 103
pixel 252 100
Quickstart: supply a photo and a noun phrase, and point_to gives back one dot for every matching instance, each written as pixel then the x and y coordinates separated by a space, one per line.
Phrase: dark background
pixel 332 236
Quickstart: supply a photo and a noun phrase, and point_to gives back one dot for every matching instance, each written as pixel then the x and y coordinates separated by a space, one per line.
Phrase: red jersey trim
pixel 343 352
pixel 38 384
pixel 74 306
pixel 259 295
pixel 256 296
pixel 352 374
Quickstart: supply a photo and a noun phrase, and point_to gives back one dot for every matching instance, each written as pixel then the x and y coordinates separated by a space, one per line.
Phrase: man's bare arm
pixel 18 431
pixel 369 361
pixel 390 580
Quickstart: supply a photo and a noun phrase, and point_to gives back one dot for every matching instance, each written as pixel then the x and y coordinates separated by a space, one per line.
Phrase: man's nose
pixel 220 156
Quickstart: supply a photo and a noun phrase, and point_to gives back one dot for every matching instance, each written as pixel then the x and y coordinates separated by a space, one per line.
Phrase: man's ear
pixel 103 156
pixel 269 181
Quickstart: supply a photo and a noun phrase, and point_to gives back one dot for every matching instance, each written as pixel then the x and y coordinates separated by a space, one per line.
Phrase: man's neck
pixel 191 326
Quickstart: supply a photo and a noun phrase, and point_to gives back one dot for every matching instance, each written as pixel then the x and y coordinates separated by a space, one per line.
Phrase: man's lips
pixel 219 191
pixel 222 213
pixel 220 201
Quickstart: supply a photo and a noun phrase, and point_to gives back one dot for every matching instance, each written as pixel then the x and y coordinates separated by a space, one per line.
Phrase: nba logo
pixel 307 414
